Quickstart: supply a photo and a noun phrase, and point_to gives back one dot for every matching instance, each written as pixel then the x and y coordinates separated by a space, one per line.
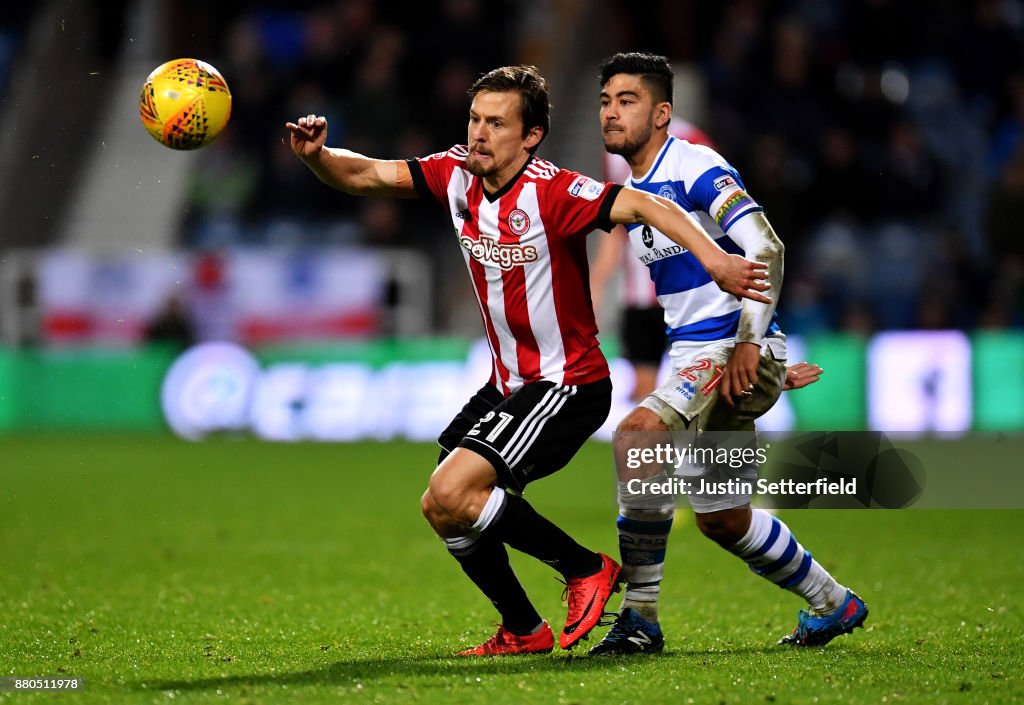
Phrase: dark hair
pixel 534 109
pixel 653 70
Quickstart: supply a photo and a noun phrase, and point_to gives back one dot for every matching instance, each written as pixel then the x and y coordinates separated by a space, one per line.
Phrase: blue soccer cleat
pixel 818 631
pixel 630 635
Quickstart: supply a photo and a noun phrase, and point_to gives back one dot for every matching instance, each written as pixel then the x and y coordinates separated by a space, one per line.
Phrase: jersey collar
pixel 492 197
pixel 657 163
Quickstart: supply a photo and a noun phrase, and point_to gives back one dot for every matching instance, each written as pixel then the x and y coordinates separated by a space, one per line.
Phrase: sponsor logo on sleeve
pixel 585 188
pixel 724 182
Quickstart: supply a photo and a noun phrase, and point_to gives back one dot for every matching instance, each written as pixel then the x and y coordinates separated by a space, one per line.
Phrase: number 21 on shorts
pixel 503 422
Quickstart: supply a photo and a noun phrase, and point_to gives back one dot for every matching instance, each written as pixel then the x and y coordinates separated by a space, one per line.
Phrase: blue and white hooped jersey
pixel 700 181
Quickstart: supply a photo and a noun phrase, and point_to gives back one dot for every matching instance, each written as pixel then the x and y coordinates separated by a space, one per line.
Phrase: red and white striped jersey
pixel 525 249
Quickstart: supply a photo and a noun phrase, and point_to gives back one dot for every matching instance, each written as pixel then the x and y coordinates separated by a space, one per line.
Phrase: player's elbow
pixel 770 243
pixel 774 248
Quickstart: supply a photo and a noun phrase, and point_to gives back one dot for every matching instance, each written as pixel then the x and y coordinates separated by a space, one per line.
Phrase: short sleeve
pixel 578 204
pixel 720 193
pixel 431 174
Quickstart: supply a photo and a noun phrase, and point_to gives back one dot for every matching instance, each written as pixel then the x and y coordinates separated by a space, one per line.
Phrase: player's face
pixel 497 147
pixel 628 114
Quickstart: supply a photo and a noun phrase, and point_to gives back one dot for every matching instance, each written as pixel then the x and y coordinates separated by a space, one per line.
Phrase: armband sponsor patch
pixel 586 188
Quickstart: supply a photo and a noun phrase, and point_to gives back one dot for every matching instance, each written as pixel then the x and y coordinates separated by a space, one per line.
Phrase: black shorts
pixel 534 432
pixel 643 335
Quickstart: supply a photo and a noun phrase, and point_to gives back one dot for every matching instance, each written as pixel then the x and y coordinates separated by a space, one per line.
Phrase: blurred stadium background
pixel 885 139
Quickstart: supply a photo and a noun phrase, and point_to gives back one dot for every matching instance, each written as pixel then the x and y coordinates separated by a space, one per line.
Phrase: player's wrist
pixel 714 259
pixel 316 157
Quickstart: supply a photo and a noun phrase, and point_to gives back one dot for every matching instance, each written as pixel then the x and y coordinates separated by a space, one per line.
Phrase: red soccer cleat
pixel 505 643
pixel 587 598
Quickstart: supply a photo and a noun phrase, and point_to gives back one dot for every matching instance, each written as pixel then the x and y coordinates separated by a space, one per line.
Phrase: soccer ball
pixel 185 104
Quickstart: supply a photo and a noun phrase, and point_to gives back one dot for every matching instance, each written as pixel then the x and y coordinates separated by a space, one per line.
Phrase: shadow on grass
pixel 431 666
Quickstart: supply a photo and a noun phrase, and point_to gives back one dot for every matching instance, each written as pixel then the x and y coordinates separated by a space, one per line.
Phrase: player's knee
pixel 449 498
pixel 725 527
pixel 641 428
pixel 428 506
pixel 638 421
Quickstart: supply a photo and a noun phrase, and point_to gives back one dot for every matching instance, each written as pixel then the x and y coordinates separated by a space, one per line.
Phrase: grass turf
pixel 239 571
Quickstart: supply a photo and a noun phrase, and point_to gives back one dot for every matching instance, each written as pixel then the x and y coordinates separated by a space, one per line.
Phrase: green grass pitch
pixel 242 572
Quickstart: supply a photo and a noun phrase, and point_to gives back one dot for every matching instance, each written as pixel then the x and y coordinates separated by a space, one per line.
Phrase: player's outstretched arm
pixel 344 170
pixel 733 274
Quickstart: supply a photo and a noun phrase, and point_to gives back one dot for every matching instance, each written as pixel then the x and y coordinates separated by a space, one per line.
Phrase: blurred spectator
pixel 908 186
pixel 1006 204
pixel 376 108
pixel 172 325
pixel 841 188
pixel 213 314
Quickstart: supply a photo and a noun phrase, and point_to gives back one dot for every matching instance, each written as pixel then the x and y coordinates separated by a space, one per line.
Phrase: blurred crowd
pixel 885 139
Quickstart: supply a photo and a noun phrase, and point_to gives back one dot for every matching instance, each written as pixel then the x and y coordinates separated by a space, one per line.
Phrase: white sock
pixel 771 551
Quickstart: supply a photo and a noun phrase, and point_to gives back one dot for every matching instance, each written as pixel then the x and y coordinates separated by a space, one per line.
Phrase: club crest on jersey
pixel 585 188
pixel 668 193
pixel 518 221
pixel 489 251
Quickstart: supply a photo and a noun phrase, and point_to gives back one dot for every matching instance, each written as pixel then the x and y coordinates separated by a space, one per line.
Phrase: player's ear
pixel 534 136
pixel 662 115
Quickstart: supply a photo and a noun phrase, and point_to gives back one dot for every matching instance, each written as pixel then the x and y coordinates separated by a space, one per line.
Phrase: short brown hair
pixel 534 109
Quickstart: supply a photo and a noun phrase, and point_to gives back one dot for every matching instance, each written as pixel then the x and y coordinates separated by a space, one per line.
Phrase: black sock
pixel 486 564
pixel 522 528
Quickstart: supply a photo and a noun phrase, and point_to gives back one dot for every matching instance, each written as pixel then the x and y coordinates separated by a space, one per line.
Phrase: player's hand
pixel 801 374
pixel 741 277
pixel 740 374
pixel 308 135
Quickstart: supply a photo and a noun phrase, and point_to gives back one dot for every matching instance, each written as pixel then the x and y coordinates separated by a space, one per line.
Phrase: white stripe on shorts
pixel 562 394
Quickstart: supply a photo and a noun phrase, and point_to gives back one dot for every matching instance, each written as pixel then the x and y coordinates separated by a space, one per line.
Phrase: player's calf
pixel 725 527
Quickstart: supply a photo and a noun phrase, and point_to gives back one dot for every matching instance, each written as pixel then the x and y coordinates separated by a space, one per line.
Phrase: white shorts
pixel 689 404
